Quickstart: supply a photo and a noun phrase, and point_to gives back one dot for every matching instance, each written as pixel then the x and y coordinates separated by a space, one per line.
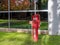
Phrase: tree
pixel 20 5
pixel 3 5
pixel 42 4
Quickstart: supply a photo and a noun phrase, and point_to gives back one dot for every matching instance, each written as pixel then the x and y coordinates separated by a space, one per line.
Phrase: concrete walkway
pixel 22 30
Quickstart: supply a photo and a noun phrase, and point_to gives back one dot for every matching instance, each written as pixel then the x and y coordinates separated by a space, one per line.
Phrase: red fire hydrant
pixel 35 26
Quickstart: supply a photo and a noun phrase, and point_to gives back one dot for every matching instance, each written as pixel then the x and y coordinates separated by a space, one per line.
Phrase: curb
pixel 22 30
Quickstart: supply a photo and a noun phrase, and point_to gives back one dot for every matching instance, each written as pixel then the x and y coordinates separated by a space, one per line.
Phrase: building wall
pixel 54 17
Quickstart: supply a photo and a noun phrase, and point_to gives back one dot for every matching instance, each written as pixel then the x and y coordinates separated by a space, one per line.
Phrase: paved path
pixel 22 30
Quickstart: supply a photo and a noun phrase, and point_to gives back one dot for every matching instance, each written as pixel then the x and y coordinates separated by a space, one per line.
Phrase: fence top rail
pixel 25 11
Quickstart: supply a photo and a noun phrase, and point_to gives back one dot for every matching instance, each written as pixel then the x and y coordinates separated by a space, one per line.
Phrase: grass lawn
pixel 14 38
pixel 22 24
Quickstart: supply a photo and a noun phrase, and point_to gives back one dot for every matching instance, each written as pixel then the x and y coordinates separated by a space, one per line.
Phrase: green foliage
pixel 20 6
pixel 43 4
pixel 3 5
pixel 22 24
pixel 44 25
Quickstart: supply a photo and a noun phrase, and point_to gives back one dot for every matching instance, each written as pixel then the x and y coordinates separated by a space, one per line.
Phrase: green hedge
pixel 22 24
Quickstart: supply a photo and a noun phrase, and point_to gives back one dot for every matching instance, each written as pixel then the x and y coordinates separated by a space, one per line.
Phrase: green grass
pixel 22 24
pixel 14 38
pixel 44 25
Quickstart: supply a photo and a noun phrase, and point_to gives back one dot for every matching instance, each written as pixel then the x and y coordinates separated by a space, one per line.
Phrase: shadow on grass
pixel 27 40
pixel 54 40
pixel 23 39
pixel 43 40
pixel 14 38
